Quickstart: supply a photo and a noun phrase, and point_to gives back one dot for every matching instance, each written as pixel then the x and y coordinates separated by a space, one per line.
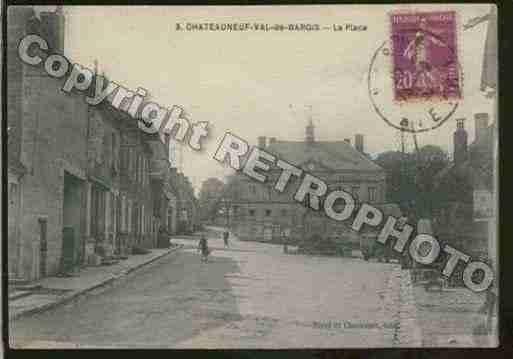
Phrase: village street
pixel 250 295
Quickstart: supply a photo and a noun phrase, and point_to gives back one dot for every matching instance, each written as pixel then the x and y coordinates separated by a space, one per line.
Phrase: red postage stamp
pixel 425 57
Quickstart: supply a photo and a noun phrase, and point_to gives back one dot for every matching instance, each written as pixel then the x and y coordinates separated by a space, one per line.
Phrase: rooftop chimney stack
pixel 481 124
pixel 310 132
pixel 261 142
pixel 272 140
pixel 460 138
pixel 358 142
pixel 347 140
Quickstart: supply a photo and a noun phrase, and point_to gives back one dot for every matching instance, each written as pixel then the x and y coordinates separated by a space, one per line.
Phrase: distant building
pixel 263 214
pixel 210 198
pixel 188 213
pixel 47 157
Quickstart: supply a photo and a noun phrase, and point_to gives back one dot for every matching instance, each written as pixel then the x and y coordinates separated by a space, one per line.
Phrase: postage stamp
pixel 425 57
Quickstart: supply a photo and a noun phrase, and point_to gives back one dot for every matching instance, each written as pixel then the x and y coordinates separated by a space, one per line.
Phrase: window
pixel 169 219
pixel 268 212
pixel 137 168
pixel 147 171
pixel 98 211
pixel 12 192
pixel 253 189
pixel 107 149
pixel 252 212
pixel 129 217
pixel 143 163
pixel 112 203
pixel 283 212
pixel 143 171
pixel 133 160
pixel 124 159
pixel 136 219
pixel 143 220
pixel 114 152
pixel 130 162
pixel 372 194
pixel 119 214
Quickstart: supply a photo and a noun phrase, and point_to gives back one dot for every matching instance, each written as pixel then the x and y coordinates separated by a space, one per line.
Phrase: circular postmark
pixel 415 79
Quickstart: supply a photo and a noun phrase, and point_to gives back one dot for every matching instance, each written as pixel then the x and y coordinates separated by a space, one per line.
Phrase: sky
pixel 263 83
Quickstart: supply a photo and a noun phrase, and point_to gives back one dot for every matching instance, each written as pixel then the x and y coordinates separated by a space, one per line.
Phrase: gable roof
pixel 335 155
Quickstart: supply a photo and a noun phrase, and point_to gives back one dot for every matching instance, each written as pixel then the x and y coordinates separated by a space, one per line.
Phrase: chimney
pixel 167 142
pixel 347 140
pixel 460 142
pixel 53 28
pixel 481 124
pixel 261 142
pixel 310 132
pixel 358 142
pixel 272 140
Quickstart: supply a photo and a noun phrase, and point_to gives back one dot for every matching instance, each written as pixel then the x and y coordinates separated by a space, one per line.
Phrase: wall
pixel 53 141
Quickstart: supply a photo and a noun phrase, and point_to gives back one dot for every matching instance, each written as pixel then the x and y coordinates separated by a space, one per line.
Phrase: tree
pixel 399 168
pixel 411 177
pixel 209 198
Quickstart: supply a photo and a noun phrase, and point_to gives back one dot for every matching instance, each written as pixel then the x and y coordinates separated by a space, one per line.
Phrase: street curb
pixel 70 297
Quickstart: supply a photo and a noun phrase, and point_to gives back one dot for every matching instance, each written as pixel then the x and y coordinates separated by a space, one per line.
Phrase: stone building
pixel 261 213
pixel 103 186
pixel 79 177
pixel 47 141
pixel 137 209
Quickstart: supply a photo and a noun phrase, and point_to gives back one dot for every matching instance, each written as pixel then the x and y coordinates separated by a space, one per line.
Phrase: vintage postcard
pixel 252 177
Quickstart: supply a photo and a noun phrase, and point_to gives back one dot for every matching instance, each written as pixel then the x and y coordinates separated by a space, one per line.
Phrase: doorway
pixel 72 222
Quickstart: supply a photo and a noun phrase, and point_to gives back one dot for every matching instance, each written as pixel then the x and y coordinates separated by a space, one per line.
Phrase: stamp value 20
pixel 425 59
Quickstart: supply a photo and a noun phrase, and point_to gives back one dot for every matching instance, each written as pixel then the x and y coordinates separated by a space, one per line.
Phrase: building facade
pixel 47 156
pixel 258 212
pixel 79 177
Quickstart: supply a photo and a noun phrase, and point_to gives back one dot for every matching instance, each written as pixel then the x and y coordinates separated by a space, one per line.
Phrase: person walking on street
pixel 203 248
pixel 226 234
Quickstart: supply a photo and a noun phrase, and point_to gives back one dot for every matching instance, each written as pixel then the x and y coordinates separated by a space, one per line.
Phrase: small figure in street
pixel 163 238
pixel 203 248
pixel 226 234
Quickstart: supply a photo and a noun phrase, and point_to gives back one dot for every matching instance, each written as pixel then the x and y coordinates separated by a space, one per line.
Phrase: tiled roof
pixel 335 155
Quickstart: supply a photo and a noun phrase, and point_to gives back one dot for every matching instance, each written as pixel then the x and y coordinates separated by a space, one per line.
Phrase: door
pixel 68 249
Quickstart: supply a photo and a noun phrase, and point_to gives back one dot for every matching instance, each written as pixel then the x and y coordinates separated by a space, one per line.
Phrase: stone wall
pixel 53 141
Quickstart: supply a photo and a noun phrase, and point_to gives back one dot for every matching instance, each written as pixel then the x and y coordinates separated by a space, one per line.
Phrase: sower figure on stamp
pixel 203 248
pixel 416 52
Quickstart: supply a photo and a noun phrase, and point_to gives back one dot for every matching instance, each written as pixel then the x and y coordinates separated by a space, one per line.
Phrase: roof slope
pixel 336 155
